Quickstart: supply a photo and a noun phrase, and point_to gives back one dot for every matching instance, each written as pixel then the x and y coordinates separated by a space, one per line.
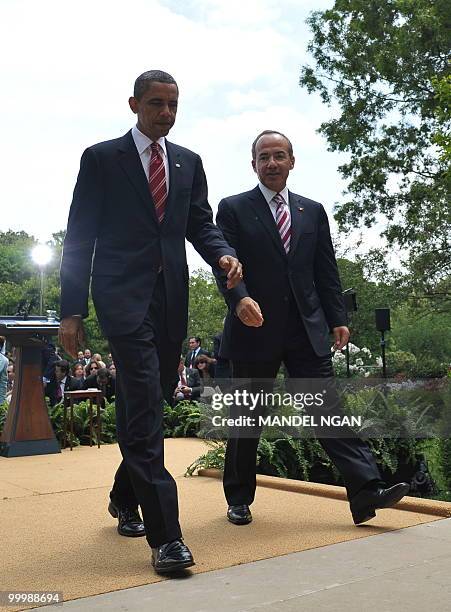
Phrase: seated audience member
pixel 206 368
pixel 11 373
pixel 81 357
pixel 3 371
pixel 103 380
pixel 97 357
pixel 112 369
pixel 189 386
pixel 62 382
pixel 78 370
pixel 91 368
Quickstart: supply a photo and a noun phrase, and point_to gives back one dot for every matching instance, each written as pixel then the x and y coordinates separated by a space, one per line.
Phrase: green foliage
pixel 400 362
pixel 182 420
pixel 3 411
pixel 206 309
pixel 212 459
pixel 384 64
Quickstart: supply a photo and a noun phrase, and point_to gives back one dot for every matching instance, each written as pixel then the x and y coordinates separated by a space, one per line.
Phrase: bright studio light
pixel 41 254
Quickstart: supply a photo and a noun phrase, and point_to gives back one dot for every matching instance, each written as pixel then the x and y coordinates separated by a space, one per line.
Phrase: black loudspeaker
pixel 382 319
pixel 350 299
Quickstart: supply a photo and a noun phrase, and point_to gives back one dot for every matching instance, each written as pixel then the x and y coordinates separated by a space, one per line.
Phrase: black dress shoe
pixel 172 557
pixel 366 502
pixel 129 521
pixel 239 515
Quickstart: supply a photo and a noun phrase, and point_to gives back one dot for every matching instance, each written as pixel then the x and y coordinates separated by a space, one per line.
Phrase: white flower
pixel 365 350
pixel 366 374
pixel 359 361
pixel 353 348
pixel 379 362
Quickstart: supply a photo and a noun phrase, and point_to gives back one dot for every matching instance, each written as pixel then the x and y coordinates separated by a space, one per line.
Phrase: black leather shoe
pixel 366 502
pixel 239 515
pixel 129 521
pixel 172 557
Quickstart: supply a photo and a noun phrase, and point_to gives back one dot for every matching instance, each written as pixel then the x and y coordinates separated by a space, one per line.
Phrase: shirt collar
pixel 268 194
pixel 143 142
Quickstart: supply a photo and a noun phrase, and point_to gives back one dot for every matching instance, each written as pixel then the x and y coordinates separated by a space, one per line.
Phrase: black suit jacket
pixel 109 390
pixel 72 384
pixel 194 381
pixel 114 236
pixel 309 272
pixel 189 356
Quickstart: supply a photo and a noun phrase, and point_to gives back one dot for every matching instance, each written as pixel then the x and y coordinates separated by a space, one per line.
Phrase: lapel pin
pixel 300 209
pixel 177 165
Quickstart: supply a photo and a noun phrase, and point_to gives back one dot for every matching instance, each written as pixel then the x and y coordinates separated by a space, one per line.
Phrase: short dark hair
pixel 266 132
pixel 196 338
pixel 63 365
pixel 103 374
pixel 151 76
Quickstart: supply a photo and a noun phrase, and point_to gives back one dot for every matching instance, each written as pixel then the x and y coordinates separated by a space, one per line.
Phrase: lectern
pixel 27 429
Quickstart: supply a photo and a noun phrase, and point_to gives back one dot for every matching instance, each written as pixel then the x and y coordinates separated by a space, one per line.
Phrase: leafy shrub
pixel 400 362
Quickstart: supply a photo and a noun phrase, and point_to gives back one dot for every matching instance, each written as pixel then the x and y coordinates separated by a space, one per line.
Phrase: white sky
pixel 68 69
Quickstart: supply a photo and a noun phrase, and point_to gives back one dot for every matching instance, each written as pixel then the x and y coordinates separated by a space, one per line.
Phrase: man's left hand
pixel 341 337
pixel 234 269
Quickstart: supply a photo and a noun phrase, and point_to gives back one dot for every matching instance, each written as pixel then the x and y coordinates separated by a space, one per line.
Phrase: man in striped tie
pixel 136 199
pixel 283 311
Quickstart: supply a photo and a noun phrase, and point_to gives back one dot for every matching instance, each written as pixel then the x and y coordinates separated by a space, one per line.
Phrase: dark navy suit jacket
pixel 271 277
pixel 114 238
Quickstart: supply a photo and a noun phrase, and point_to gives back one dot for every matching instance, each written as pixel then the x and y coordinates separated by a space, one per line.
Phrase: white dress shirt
pixel 268 194
pixel 142 143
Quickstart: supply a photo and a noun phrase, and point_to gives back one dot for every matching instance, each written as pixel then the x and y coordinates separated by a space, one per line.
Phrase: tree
pixel 383 64
pixel 206 309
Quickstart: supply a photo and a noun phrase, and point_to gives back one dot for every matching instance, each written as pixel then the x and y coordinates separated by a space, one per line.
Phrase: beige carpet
pixel 55 533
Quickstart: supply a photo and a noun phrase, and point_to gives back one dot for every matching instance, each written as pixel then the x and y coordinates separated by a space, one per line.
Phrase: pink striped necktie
pixel 157 180
pixel 283 221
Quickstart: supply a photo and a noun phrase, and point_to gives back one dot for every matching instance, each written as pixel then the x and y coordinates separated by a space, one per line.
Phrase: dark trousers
pixel 146 370
pixel 350 454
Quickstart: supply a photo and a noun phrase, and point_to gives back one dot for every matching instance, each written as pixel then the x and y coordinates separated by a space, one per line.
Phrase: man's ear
pixel 292 162
pixel 254 165
pixel 133 103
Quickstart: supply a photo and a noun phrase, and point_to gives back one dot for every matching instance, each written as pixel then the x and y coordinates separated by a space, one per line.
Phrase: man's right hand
pixel 71 335
pixel 249 313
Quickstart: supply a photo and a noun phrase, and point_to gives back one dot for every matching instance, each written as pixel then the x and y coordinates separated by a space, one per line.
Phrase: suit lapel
pixel 298 221
pixel 131 163
pixel 263 214
pixel 175 169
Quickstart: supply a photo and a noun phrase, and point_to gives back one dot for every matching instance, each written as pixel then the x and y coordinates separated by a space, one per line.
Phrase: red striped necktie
pixel 283 221
pixel 157 180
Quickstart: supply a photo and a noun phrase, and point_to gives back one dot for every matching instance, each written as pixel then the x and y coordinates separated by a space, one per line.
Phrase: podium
pixel 27 429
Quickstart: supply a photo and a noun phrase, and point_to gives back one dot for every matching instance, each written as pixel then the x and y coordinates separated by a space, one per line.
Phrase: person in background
pixel 102 379
pixel 11 374
pixel 97 357
pixel 112 369
pixel 3 371
pixel 87 356
pixel 62 382
pixel 206 368
pixel 78 371
pixel 91 368
pixel 194 344
pixel 189 386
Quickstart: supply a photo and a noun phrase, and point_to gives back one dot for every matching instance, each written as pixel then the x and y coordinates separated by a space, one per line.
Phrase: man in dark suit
pixel 60 382
pixel 136 200
pixel 283 311
pixel 194 344
pixel 189 385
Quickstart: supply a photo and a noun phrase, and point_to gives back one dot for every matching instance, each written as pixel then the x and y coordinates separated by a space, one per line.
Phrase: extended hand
pixel 249 313
pixel 234 269
pixel 71 335
pixel 341 336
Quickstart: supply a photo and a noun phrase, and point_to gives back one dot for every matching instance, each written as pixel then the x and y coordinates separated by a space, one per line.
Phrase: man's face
pixel 193 344
pixel 80 354
pixel 181 365
pixel 273 161
pixel 59 373
pixel 10 373
pixel 156 109
pixel 87 354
